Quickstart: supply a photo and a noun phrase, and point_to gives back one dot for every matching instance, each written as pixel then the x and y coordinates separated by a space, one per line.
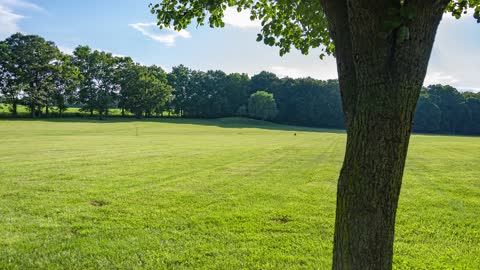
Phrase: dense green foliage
pixel 444 109
pixel 295 23
pixel 98 86
pixel 262 105
pixel 214 194
pixel 98 82
pixel 35 71
pixel 144 90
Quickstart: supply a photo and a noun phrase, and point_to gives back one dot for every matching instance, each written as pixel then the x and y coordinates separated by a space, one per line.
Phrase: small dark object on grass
pixel 294 134
pixel 282 219
pixel 98 203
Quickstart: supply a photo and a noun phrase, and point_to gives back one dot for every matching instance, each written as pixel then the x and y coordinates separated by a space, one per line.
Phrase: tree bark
pixel 39 111
pixel 33 110
pixel 380 78
pixel 14 108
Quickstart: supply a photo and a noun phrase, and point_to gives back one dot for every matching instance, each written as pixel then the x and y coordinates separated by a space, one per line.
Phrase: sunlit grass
pixel 216 194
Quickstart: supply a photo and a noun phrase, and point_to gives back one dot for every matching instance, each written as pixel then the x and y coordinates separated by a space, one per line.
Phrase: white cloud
pixel 283 71
pixel 9 18
pixel 240 19
pixel 468 89
pixel 168 36
pixel 439 78
pixel 455 54
pixel 66 50
pixel 8 22
pixel 20 4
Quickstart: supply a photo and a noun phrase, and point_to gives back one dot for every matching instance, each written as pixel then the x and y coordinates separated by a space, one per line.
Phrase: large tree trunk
pixel 371 177
pixel 380 77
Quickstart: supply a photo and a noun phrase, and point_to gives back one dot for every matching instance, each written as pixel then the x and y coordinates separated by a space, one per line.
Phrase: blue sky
pixel 124 27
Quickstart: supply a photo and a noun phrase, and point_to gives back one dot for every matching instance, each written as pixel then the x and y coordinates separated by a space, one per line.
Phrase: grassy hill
pixel 218 194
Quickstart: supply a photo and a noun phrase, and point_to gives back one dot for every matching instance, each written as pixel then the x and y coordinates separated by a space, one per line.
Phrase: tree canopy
pixel 289 23
pixel 149 91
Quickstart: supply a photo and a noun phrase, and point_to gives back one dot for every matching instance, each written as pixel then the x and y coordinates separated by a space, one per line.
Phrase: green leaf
pixel 403 34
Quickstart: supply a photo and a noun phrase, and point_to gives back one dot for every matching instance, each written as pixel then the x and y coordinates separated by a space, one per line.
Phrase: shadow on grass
pixel 228 122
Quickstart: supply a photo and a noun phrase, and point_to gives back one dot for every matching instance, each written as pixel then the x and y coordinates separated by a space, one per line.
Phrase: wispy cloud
pixel 66 50
pixel 9 17
pixel 283 71
pixel 439 78
pixel 240 19
pixel 455 54
pixel 20 4
pixel 8 22
pixel 468 89
pixel 165 36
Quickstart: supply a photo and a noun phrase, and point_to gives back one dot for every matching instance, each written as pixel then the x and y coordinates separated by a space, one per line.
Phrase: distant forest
pixel 36 75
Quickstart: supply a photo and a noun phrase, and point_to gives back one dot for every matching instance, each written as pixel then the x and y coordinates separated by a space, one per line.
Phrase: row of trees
pixel 36 74
pixel 443 109
pixel 215 94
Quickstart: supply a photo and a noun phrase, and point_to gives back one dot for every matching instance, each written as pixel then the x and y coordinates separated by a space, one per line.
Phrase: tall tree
pixel 264 81
pixel 124 70
pixel 472 123
pixel 144 89
pixel 179 79
pixel 236 93
pixel 8 79
pixel 99 86
pixel 66 80
pixel 382 50
pixel 449 100
pixel 427 115
pixel 33 62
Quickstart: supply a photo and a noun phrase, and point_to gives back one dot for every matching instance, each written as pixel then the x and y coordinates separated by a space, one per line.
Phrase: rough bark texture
pixel 14 108
pixel 380 81
pixel 32 109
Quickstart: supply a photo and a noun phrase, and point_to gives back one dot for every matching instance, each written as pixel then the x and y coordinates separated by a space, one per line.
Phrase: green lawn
pixel 216 194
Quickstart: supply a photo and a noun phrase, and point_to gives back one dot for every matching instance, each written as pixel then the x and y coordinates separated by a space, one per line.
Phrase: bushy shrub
pixel 262 105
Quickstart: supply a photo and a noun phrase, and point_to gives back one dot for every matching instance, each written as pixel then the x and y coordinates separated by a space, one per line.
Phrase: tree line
pixel 36 74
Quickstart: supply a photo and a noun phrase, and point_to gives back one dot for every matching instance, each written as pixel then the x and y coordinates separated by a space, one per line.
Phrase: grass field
pixel 214 194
